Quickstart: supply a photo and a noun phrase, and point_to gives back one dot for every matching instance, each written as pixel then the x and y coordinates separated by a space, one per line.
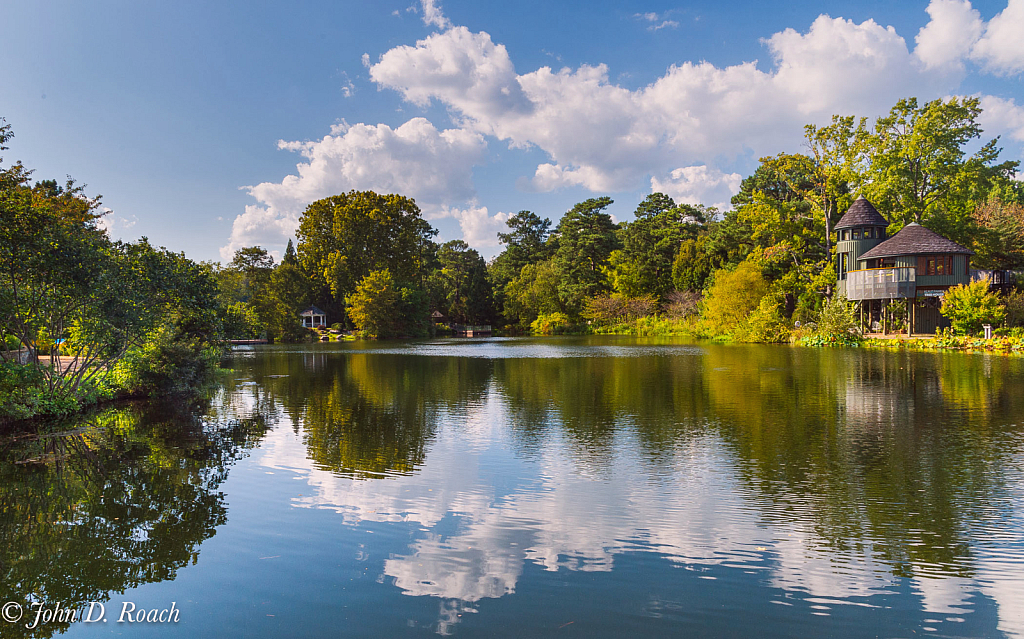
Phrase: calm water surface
pixel 564 487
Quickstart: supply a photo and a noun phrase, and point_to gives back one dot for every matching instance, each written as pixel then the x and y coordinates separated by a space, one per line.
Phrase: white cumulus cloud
pixel 956 32
pixel 415 159
pixel 950 35
pixel 1001 114
pixel 699 185
pixel 604 137
pixel 1001 49
pixel 432 14
pixel 675 134
pixel 479 228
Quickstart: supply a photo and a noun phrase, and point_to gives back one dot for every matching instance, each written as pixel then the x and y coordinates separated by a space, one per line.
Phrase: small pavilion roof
pixel 915 239
pixel 311 311
pixel 861 213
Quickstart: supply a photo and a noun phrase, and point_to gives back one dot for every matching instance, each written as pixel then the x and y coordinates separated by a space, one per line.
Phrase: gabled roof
pixel 915 239
pixel 861 213
pixel 312 310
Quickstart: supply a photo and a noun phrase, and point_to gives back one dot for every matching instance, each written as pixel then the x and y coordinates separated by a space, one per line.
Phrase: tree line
pixel 748 273
pixel 84 318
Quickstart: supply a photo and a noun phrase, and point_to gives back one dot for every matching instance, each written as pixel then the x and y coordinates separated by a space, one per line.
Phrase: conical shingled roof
pixel 915 239
pixel 861 213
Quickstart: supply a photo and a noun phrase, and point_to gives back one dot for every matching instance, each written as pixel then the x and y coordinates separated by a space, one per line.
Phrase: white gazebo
pixel 313 317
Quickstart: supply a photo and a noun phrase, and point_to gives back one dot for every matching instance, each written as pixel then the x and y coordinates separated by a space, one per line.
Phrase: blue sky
pixel 475 109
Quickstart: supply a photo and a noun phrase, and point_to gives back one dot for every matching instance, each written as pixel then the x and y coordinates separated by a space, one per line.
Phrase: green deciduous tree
pixel 288 295
pixel 525 243
pixel 240 321
pixel 376 306
pixel 693 265
pixel 831 169
pixel 343 238
pixel 533 292
pixel 999 239
pixel 969 306
pixel 732 297
pixel 91 304
pixel 916 164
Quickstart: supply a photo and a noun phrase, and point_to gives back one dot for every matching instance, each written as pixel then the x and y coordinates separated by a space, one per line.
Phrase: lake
pixel 536 487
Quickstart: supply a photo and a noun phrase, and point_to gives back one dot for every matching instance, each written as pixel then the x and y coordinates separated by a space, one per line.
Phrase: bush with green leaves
pixel 551 324
pixel 837 324
pixel 1014 303
pixel 241 321
pixel 731 298
pixel 970 306
pixel 766 325
pixel 381 309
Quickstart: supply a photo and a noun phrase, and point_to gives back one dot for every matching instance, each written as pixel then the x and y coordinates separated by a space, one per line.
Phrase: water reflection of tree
pixel 123 499
pixel 870 446
pixel 592 400
pixel 369 415
pixel 899 455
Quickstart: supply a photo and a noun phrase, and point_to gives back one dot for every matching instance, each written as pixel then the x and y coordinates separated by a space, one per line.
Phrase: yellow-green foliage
pixel 970 306
pixel 550 324
pixel 625 275
pixel 534 292
pixel 1015 309
pixel 374 307
pixel 731 298
pixel 766 324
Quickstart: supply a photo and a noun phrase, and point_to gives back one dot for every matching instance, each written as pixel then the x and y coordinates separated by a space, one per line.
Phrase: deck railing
pixel 882 283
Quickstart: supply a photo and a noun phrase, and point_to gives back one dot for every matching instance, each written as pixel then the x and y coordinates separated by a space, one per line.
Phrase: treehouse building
pixel 897 281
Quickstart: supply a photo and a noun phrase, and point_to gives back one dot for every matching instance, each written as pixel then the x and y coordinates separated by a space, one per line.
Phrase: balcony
pixel 882 284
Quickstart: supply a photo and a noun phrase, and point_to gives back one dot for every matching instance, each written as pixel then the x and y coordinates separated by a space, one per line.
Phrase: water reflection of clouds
pixel 544 510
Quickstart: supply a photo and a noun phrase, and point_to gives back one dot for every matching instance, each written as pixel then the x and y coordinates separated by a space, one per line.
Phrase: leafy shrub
pixel 24 393
pixel 837 324
pixel 1014 303
pixel 766 324
pixel 970 306
pixel 165 363
pixel 731 298
pixel 241 321
pixel 374 307
pixel 550 324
